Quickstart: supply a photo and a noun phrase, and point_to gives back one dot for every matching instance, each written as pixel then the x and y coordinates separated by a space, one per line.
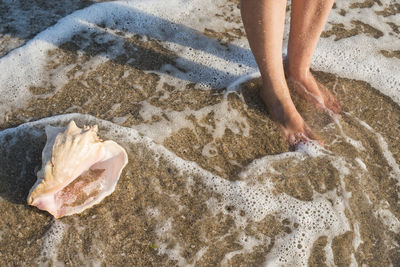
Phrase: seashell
pixel 78 170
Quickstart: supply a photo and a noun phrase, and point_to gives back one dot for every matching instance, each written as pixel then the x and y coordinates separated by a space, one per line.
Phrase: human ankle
pixel 273 97
pixel 278 106
pixel 296 72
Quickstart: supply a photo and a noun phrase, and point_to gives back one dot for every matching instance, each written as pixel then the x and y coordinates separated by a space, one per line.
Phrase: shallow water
pixel 209 180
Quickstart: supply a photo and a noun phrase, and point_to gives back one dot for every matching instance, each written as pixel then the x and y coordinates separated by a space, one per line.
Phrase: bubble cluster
pixel 179 27
pixel 51 240
pixel 360 56
pixel 250 199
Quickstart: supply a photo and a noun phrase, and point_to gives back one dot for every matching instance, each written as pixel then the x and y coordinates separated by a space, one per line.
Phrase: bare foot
pixel 312 91
pixel 315 93
pixel 290 122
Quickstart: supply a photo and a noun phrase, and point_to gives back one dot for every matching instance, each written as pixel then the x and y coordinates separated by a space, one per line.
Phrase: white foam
pixel 259 200
pixel 205 60
pixel 357 144
pixel 357 241
pixel 51 241
pixel 395 173
pixel 248 243
pixel 209 150
pixel 361 163
pixel 311 148
pixel 178 24
pixel 359 57
pixel 225 117
pixel 163 233
pixel 322 216
pixel 329 253
pixel 390 220
pixel 234 86
pixel 256 199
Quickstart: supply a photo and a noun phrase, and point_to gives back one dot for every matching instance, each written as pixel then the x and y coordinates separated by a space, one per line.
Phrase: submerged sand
pixel 162 214
pixel 122 225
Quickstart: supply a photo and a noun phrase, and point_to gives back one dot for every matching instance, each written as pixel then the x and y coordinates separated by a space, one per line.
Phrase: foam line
pixel 207 62
pixel 385 151
pixel 349 61
pixel 235 84
pixel 179 25
pixel 257 199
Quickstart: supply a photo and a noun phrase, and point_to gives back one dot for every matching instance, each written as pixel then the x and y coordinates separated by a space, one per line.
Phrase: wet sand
pixel 159 208
pixel 121 225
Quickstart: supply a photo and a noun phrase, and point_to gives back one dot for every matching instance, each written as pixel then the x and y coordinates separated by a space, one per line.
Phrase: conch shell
pixel 78 170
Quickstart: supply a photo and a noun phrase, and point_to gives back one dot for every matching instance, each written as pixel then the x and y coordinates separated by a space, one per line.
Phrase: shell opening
pixel 90 187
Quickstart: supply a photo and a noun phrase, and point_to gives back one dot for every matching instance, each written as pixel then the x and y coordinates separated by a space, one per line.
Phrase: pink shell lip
pixel 110 157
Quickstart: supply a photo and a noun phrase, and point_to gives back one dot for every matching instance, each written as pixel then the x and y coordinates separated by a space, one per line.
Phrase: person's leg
pixel 308 18
pixel 264 23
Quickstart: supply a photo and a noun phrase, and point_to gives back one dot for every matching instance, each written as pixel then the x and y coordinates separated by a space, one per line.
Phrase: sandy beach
pixel 210 180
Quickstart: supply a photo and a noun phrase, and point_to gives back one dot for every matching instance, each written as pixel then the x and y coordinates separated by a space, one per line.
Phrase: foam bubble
pixel 205 61
pixel 361 163
pixel 389 220
pixel 386 152
pixel 359 57
pixel 203 58
pixel 248 243
pixel 256 199
pixel 51 240
pixel 210 64
pixel 311 148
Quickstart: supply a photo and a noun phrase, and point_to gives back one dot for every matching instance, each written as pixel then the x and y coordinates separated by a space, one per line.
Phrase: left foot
pixel 284 113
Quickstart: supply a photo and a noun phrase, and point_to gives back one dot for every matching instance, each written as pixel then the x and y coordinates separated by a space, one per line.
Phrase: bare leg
pixel 264 23
pixel 307 22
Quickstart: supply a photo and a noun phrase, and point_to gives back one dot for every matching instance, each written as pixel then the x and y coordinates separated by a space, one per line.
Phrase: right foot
pixel 290 122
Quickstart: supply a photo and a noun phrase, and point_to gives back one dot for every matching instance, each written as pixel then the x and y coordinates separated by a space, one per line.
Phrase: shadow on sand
pixel 78 33
pixel 123 19
pixel 20 160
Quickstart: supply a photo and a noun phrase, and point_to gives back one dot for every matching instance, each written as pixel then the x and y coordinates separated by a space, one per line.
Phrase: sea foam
pixel 179 25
